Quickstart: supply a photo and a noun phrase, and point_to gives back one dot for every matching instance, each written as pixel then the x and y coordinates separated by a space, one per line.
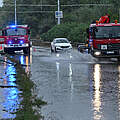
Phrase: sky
pixel 1 2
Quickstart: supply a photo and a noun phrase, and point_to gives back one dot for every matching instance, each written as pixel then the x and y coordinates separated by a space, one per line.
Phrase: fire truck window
pixel 108 32
pixel 28 31
pixel 18 31
pixel 118 34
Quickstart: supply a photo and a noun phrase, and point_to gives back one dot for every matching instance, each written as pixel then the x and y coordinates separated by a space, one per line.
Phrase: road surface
pixel 76 86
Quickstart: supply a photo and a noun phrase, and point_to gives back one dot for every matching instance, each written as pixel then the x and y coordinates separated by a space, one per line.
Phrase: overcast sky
pixel 1 2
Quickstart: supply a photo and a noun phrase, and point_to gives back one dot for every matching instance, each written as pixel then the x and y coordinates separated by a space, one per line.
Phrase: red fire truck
pixel 16 38
pixel 104 39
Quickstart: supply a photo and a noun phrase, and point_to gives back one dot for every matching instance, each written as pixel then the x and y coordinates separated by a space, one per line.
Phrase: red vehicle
pixel 16 38
pixel 104 39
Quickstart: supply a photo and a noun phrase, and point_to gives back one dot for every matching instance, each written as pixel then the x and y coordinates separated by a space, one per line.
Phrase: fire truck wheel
pixel 52 50
pixel 118 59
pixel 5 50
pixel 26 50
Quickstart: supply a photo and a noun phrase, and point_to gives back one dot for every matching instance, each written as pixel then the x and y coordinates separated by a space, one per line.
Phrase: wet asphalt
pixel 76 86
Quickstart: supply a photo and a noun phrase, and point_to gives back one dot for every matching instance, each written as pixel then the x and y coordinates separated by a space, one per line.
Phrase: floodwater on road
pixel 10 95
pixel 76 86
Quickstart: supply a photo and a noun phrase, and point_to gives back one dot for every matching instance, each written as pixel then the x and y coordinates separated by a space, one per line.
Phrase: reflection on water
pixel 70 79
pixel 11 102
pixel 57 55
pixel 27 70
pixel 119 89
pixel 10 74
pixel 70 72
pixel 9 98
pixel 26 61
pixel 97 94
pixel 10 95
pixel 58 71
pixel 106 92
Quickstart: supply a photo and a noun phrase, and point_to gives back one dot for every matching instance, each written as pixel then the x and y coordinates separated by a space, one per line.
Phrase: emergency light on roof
pixel 116 21
pixel 13 26
pixel 97 22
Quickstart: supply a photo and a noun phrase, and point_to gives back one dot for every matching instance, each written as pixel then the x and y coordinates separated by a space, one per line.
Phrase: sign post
pixel 58 12
pixel 15 14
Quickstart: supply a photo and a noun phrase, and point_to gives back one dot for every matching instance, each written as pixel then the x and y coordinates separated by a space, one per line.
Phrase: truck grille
pixel 64 46
pixel 113 46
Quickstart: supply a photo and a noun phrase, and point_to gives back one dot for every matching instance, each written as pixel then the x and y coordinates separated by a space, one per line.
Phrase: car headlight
pixel 70 46
pixel 97 53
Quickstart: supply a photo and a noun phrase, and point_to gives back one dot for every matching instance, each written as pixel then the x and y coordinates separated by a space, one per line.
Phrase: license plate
pixel 110 52
pixel 15 45
pixel 104 47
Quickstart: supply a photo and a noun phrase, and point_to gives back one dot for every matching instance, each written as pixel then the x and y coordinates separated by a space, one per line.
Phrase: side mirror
pixel 3 33
pixel 28 31
pixel 95 29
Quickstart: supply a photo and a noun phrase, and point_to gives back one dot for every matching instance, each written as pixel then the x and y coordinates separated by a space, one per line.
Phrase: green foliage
pixel 43 21
pixel 73 31
pixel 78 33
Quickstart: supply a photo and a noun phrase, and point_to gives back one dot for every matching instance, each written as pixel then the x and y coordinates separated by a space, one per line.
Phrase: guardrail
pixel 38 42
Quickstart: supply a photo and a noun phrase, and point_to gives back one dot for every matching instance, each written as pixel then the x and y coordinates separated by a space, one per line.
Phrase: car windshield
pixel 62 41
pixel 107 32
pixel 18 31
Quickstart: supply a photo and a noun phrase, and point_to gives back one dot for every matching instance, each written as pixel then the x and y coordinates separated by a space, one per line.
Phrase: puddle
pixel 9 93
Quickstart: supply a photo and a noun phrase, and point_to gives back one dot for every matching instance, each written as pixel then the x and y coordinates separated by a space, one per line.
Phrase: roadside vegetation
pixel 73 31
pixel 42 19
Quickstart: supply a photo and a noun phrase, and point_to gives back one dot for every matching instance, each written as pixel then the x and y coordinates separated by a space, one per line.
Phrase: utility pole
pixel 119 15
pixel 15 14
pixel 41 5
pixel 58 12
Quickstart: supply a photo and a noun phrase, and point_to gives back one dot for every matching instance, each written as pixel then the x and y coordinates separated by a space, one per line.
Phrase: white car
pixel 60 44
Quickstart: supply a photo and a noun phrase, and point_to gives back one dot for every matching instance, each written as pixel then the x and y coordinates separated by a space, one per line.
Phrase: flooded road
pixel 76 86
pixel 10 94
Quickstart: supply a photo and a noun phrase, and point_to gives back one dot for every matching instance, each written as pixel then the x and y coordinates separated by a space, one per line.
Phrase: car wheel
pixel 52 50
pixel 118 59
pixel 26 50
pixel 55 49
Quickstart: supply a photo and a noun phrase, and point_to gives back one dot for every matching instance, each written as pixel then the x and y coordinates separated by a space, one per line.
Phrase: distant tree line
pixel 42 19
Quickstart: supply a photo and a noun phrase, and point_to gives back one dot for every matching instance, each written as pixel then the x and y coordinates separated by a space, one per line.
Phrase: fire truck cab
pixel 104 40
pixel 16 38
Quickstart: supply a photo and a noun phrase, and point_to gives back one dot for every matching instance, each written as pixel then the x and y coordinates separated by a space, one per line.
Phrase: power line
pixel 82 5
pixel 42 5
pixel 29 12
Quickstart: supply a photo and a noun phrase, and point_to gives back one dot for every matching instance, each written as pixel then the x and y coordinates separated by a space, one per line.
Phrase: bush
pixel 73 31
pixel 78 33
